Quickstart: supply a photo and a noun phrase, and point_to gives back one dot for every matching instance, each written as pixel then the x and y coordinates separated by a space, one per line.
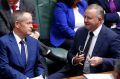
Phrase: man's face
pixel 11 2
pixel 91 20
pixel 25 26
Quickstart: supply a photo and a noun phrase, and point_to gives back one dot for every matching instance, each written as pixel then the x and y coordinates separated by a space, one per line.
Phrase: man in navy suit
pixel 6 26
pixel 103 50
pixel 12 64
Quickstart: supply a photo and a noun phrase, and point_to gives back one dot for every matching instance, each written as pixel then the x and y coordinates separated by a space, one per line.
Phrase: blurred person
pixel 68 17
pixel 8 7
pixel 90 52
pixel 112 13
pixel 19 52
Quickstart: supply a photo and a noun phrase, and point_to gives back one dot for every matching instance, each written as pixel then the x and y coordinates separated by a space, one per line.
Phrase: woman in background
pixel 68 17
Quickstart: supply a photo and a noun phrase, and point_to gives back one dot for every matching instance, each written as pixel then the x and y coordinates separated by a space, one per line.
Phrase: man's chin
pixel 87 27
pixel 29 33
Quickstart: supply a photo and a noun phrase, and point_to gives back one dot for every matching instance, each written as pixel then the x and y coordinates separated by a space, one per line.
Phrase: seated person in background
pixel 68 17
pixel 19 53
pixel 95 53
pixel 116 72
pixel 7 8
pixel 112 12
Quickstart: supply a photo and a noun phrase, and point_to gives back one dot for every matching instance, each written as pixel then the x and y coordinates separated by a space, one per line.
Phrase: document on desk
pixel 98 76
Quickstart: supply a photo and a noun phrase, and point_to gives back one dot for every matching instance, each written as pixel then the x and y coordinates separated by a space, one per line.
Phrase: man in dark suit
pixel 112 18
pixel 19 53
pixel 6 26
pixel 6 11
pixel 98 55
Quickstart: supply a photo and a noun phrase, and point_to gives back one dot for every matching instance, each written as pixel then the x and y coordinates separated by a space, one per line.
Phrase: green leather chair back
pixel 45 16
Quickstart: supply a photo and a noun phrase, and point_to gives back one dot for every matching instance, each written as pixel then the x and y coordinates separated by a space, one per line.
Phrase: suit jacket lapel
pixel 99 42
pixel 22 6
pixel 71 18
pixel 29 48
pixel 14 45
pixel 83 36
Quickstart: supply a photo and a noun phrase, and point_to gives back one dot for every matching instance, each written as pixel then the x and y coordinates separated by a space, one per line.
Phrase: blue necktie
pixel 112 6
pixel 86 64
pixel 23 54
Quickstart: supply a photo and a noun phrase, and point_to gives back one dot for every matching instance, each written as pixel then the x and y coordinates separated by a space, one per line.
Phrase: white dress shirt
pixel 18 39
pixel 17 8
pixel 79 19
pixel 86 68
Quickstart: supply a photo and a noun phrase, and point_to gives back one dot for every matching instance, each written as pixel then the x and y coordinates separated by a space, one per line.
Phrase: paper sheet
pixel 99 76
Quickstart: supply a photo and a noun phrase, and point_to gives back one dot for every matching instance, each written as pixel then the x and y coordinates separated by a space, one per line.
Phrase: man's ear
pixel 100 18
pixel 17 24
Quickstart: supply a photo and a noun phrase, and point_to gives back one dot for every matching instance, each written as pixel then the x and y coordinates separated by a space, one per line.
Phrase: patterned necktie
pixel 88 43
pixel 14 7
pixel 23 54
pixel 112 6
pixel 86 64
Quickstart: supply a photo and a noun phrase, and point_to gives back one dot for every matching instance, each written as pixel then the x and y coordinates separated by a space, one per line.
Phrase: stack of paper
pixel 99 76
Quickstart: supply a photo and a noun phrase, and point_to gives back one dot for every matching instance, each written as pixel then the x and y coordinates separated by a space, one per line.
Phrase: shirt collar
pixel 18 4
pixel 18 39
pixel 96 32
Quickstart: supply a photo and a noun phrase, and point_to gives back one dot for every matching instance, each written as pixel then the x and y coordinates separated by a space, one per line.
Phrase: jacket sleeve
pixel 4 27
pixel 40 65
pixel 115 52
pixel 62 22
pixel 8 72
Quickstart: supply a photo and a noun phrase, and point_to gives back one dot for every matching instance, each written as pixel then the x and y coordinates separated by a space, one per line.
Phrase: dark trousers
pixel 67 44
pixel 66 71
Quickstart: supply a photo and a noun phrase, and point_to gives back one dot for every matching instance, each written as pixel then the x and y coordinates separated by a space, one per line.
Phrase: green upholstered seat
pixel 52 66
pixel 62 53
pixel 44 11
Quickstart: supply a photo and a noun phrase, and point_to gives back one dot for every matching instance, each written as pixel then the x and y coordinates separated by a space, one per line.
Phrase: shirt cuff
pixel 118 14
pixel 73 63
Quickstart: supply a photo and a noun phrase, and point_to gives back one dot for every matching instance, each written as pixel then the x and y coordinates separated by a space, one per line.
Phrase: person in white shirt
pixel 20 53
pixel 68 17
pixel 96 48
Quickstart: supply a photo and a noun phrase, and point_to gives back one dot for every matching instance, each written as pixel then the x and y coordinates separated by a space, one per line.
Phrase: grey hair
pixel 18 16
pixel 98 8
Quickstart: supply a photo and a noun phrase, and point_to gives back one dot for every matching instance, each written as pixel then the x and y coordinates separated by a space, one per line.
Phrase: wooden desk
pixel 82 77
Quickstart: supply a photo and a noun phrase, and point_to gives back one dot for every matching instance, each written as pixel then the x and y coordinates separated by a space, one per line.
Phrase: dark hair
pixel 67 2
